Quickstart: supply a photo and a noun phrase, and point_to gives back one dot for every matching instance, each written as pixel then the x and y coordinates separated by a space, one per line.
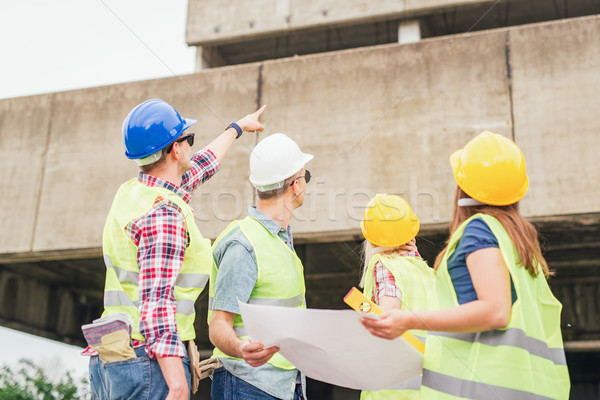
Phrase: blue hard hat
pixel 152 126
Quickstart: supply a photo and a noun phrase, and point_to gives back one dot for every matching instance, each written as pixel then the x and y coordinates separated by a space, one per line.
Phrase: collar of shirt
pixel 153 181
pixel 273 227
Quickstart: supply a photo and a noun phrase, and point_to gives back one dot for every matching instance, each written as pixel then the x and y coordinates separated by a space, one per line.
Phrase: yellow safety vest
pixel 280 280
pixel 525 360
pixel 415 279
pixel 121 293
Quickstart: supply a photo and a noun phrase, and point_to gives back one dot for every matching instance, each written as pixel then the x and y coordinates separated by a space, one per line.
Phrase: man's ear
pixel 295 188
pixel 175 152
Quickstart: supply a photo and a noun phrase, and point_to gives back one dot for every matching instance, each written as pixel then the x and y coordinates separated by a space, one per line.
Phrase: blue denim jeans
pixel 138 378
pixel 226 386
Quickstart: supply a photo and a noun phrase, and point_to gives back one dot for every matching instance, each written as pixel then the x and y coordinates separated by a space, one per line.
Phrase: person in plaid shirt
pixel 157 261
pixel 395 276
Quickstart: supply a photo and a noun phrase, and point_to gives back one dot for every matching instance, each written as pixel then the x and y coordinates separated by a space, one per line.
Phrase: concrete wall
pixel 380 119
pixel 255 18
pixel 555 89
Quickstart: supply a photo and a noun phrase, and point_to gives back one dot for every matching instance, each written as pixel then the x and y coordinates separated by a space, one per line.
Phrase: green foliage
pixel 29 382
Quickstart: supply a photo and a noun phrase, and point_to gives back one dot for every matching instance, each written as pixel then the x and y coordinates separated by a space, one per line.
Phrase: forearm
pixel 222 335
pixel 222 143
pixel 174 375
pixel 474 316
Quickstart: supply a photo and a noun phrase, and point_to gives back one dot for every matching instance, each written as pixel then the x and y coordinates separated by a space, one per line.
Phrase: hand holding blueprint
pixel 332 346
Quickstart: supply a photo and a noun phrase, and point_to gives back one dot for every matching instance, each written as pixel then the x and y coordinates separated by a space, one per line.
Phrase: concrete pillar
pixel 409 31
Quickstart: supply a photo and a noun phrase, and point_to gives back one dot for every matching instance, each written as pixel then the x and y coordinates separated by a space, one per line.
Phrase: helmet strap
pixel 469 202
pixel 152 158
pixel 272 186
pixel 379 249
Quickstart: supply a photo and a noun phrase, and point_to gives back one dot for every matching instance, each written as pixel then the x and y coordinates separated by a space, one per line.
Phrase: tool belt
pixel 200 369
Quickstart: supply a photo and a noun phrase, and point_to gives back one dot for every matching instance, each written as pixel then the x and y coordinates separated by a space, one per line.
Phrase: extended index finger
pixel 260 111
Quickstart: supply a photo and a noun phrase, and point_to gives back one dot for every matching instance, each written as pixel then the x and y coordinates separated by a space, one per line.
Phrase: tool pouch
pixel 194 359
pixel 207 367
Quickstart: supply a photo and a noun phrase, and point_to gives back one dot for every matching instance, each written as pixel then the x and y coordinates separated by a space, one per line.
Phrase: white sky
pixel 49 46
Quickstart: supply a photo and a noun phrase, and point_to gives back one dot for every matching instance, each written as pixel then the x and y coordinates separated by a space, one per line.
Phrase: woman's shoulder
pixel 478 234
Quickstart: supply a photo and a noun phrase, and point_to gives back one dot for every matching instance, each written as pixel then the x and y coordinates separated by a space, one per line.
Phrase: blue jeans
pixel 226 386
pixel 138 378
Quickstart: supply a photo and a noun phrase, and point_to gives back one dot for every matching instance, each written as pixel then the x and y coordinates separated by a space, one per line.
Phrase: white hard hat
pixel 273 160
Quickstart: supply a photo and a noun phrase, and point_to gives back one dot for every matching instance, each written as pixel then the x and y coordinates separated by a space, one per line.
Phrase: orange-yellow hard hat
pixel 491 169
pixel 388 221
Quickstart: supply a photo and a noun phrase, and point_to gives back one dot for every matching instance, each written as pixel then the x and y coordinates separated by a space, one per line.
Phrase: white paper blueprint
pixel 332 346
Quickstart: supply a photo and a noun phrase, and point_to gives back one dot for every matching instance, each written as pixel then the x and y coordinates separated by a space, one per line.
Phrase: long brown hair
pixel 522 233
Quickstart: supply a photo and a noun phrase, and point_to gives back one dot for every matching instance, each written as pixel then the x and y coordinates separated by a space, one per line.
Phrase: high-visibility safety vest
pixel 121 294
pixel 280 280
pixel 523 361
pixel 415 279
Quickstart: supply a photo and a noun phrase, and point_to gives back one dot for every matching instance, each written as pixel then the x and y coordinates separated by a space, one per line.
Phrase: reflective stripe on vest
pixel 510 337
pixel 132 201
pixel 296 301
pixel 116 298
pixel 192 280
pixel 280 279
pixel 523 361
pixel 122 274
pixel 476 390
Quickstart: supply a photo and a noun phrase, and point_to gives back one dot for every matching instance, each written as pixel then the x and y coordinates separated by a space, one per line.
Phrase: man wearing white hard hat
pixel 255 262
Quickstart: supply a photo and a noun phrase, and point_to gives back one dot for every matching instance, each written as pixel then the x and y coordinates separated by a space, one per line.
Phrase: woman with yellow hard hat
pixel 497 333
pixel 394 275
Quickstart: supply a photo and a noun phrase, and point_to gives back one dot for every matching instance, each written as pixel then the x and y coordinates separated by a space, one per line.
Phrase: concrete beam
pixel 377 119
pixel 25 125
pixel 211 21
pixel 84 163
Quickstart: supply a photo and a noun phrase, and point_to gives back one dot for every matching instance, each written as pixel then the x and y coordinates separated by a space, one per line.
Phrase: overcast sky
pixel 57 45
pixel 49 46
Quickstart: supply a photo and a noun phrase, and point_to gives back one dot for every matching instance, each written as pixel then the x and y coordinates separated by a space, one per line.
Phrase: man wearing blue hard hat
pixel 157 260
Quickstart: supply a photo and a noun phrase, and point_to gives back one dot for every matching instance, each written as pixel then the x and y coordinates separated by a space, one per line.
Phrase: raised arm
pixel 250 123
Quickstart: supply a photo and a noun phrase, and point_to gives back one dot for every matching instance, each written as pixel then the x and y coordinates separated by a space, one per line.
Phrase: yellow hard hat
pixel 491 169
pixel 388 221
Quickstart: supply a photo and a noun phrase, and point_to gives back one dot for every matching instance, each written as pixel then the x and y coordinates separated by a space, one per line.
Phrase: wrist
pixel 240 348
pixel 414 321
pixel 237 128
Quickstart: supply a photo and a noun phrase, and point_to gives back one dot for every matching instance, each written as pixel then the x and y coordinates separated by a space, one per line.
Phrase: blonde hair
pixel 369 250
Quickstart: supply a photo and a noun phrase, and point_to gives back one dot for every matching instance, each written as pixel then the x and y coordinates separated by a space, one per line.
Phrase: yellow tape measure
pixel 357 300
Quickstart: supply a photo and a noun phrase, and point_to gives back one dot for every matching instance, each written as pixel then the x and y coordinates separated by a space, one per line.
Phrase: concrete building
pixel 379 91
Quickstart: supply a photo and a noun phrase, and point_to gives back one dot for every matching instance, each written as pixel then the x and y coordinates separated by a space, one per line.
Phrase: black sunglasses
pixel 189 137
pixel 305 176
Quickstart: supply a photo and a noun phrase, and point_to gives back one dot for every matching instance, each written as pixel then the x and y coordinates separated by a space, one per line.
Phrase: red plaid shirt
pixel 161 237
pixel 385 284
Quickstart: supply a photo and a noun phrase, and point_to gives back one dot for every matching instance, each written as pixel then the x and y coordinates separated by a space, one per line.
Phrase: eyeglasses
pixel 305 176
pixel 189 137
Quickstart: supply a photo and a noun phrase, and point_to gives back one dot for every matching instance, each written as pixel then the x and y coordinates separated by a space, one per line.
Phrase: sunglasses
pixel 305 176
pixel 189 137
